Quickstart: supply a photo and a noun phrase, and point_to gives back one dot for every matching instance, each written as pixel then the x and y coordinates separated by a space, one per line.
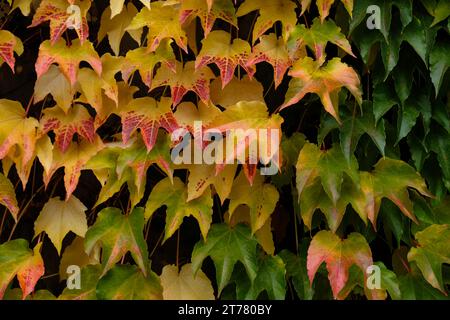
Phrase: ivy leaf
pixel 186 78
pixel 91 85
pixel 8 45
pixel 390 178
pixel 237 90
pixel 55 83
pixel 269 13
pixel 271 278
pixel 317 37
pixel 296 270
pixel 8 196
pixel 324 7
pixel 326 82
pixel 74 254
pixel 117 164
pixel 89 278
pixel 439 62
pixel 244 116
pixel 56 11
pixel 185 285
pixel 116 27
pixel 68 58
pixel 432 251
pixel 208 14
pixel 352 129
pixel 187 113
pixel 23 5
pixel 148 115
pixel 414 287
pixel 116 6
pixel 144 61
pixel 261 207
pixel 17 259
pixel 263 235
pixel 126 282
pixel 174 196
pixel 226 246
pixel 73 160
pixel 203 176
pixel 329 165
pixel 339 255
pixel 162 23
pixel 58 217
pixel 384 98
pixel 17 136
pixel 118 234
pixel 78 120
pixel 227 55
pixel 273 51
pixel 440 10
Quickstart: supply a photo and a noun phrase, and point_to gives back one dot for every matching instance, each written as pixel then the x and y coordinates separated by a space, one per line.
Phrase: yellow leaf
pixel 185 285
pixel 58 217
pixel 74 254
pixel 115 28
pixel 55 83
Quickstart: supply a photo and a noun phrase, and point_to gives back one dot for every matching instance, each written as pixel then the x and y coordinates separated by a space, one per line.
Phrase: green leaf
pixel 126 282
pixel 296 271
pixel 316 38
pixel 328 165
pixel 413 287
pixel 384 98
pixel 17 259
pixel 226 246
pixel 439 62
pixel 353 128
pixel 270 278
pixel 432 251
pixel 117 234
pixel 174 196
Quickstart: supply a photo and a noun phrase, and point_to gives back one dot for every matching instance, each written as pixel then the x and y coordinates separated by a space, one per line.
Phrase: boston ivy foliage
pixel 91 92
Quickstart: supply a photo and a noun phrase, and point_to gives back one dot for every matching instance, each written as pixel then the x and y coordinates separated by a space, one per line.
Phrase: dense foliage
pixel 91 93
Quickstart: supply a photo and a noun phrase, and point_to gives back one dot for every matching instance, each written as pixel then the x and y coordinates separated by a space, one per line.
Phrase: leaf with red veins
pixel 73 160
pixel 338 255
pixel 273 51
pixel 227 55
pixel 163 23
pixel 67 57
pixel 148 115
pixel 220 9
pixel 144 61
pixel 269 13
pixel 186 78
pixel 308 76
pixel 62 18
pixel 9 44
pixel 77 120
